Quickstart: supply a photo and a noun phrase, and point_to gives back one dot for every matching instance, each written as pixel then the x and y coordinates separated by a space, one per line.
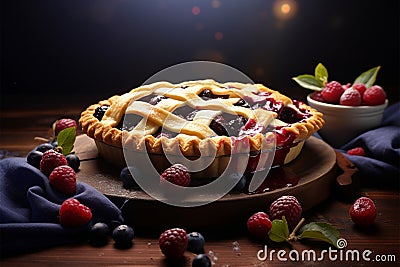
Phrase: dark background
pixel 54 53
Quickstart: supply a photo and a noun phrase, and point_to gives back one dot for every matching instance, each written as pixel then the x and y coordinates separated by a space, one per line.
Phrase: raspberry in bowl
pixel 343 123
pixel 349 109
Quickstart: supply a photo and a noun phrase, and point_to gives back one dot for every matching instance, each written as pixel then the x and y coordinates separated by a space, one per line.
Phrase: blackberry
pixel 99 111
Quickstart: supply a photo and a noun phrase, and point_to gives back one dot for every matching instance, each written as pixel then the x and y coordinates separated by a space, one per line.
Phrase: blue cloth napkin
pixel 381 163
pixel 29 209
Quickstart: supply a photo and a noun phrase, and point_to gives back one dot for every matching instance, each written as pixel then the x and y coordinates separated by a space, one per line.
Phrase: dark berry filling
pixel 156 99
pixel 207 94
pixel 128 122
pixel 242 103
pixel 191 115
pixel 185 112
pixel 165 133
pixel 251 128
pixel 218 126
pixel 99 112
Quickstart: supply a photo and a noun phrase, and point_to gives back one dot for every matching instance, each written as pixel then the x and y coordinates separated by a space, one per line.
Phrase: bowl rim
pixel 343 107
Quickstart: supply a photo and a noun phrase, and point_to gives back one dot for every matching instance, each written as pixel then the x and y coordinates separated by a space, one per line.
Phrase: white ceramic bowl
pixel 343 123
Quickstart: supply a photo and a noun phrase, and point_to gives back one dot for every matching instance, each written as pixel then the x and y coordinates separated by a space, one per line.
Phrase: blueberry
pixel 98 234
pixel 73 161
pixel 54 143
pixel 127 179
pixel 123 236
pixel 99 112
pixel 44 147
pixel 201 260
pixel 34 157
pixel 240 181
pixel 195 243
pixel 206 94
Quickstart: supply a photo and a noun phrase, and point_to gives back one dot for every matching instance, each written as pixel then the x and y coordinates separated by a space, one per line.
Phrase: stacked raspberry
pixel 351 95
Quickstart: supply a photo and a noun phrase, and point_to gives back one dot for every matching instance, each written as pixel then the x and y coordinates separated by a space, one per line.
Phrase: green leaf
pixel 368 77
pixel 321 74
pixel 279 231
pixel 320 231
pixel 308 81
pixel 66 139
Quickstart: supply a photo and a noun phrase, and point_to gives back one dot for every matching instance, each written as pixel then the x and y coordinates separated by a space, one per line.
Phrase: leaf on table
pixel 279 231
pixel 321 231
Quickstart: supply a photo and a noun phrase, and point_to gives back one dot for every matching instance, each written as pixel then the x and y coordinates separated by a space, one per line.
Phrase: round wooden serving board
pixel 315 166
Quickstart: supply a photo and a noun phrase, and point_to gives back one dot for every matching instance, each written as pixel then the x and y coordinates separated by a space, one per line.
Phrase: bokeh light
pixel 218 36
pixel 215 3
pixel 196 10
pixel 285 9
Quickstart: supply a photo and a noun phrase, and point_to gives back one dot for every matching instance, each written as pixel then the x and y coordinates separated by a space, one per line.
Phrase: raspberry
pixel 332 92
pixel 357 151
pixel 50 160
pixel 346 86
pixel 317 96
pixel 176 174
pixel 360 88
pixel 363 212
pixel 173 242
pixel 373 96
pixel 287 206
pixel 259 225
pixel 63 179
pixel 62 124
pixel 350 97
pixel 74 214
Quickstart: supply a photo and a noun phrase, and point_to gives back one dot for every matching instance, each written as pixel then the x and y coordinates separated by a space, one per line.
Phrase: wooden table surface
pixel 236 248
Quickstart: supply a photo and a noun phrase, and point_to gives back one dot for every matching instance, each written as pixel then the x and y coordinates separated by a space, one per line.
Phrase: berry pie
pixel 200 118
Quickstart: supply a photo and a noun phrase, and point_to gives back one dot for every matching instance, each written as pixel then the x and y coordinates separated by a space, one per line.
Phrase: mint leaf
pixel 321 74
pixel 279 231
pixel 368 77
pixel 320 231
pixel 66 139
pixel 309 81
